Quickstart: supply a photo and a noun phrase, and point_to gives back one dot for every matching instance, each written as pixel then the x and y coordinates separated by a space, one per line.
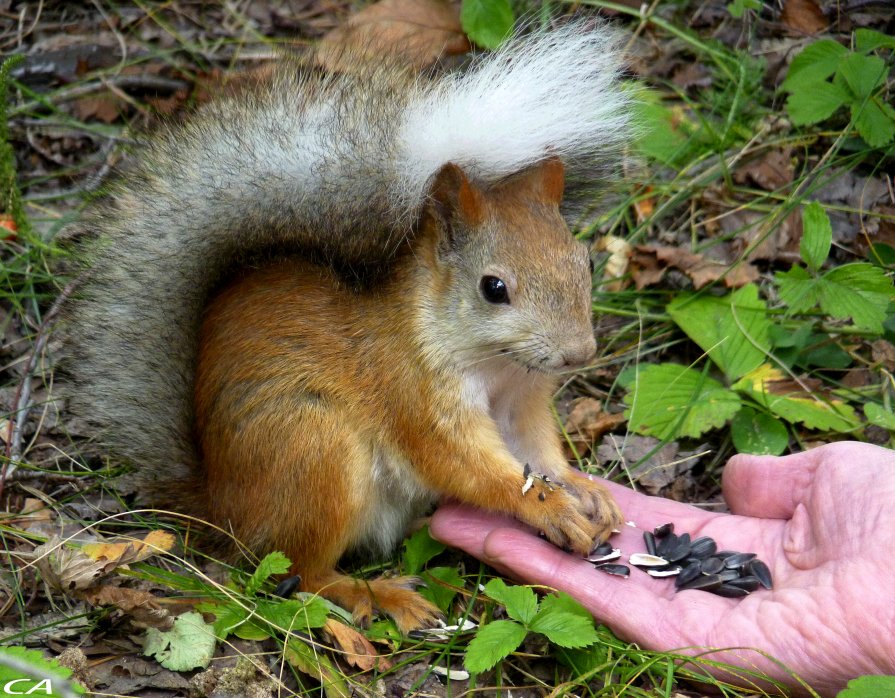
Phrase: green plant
pixel 826 77
pixel 740 335
pixel 28 672
pixel 559 618
pixel 487 22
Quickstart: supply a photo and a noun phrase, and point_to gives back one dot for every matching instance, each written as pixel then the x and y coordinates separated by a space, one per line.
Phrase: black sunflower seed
pixel 705 582
pixel 666 544
pixel 758 569
pixel 649 540
pixel 688 574
pixel 730 591
pixel 711 565
pixel 601 550
pixel 749 583
pixel 663 530
pixel 738 560
pixel 702 547
pixel 614 570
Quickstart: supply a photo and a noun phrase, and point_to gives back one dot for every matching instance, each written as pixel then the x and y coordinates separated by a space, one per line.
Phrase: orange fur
pixel 327 415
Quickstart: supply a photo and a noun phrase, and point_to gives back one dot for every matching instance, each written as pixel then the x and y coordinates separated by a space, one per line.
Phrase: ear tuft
pixel 454 196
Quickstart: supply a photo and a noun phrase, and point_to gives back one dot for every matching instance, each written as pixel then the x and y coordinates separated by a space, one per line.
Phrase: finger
pixel 465 527
pixel 768 487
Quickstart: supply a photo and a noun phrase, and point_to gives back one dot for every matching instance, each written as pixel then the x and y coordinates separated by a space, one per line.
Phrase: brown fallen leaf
pixel 418 32
pixel 107 108
pixel 68 569
pixel 649 262
pixel 803 17
pixel 357 650
pixel 34 511
pixel 771 172
pixel 587 422
pixel 142 607
pixel 128 552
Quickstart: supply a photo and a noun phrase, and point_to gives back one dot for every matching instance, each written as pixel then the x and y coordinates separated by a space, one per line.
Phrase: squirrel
pixel 329 299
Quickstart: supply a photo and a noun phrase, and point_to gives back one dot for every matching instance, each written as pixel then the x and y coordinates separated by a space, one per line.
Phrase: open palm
pixel 823 521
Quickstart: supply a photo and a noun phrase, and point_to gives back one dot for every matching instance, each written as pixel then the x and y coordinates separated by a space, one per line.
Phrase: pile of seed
pixel 695 564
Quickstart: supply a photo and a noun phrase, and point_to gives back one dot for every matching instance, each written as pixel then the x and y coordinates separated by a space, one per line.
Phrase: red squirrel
pixel 330 299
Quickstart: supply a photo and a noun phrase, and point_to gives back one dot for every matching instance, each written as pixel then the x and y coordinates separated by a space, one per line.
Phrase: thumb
pixel 767 487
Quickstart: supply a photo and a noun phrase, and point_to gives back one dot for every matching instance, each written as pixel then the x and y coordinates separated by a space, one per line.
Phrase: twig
pixel 122 81
pixel 21 404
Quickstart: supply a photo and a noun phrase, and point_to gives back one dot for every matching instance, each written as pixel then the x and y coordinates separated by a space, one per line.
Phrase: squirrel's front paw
pixel 572 515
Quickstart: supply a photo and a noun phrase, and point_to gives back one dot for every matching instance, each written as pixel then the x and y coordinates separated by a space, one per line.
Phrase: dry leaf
pixel 649 262
pixel 803 16
pixel 587 422
pixel 883 353
pixel 143 608
pixel 773 171
pixel 417 31
pixel 619 251
pixel 106 108
pixel 34 511
pixel 67 569
pixel 358 651
pixel 131 551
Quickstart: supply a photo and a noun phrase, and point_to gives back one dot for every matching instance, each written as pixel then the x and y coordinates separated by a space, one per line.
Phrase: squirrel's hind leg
pixel 394 596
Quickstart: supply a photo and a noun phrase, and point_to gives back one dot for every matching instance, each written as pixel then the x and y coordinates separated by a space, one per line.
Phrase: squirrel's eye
pixel 494 290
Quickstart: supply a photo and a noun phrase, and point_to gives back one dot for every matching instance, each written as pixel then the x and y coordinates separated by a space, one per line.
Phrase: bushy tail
pixel 331 166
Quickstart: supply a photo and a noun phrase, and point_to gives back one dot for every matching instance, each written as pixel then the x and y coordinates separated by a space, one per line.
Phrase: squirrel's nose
pixel 580 352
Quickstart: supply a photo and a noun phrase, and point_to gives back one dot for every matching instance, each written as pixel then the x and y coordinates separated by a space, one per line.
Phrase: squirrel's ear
pixel 453 196
pixel 547 180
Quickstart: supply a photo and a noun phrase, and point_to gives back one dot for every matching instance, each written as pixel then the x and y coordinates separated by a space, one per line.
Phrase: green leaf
pixel 869 687
pixel 814 63
pixel 487 22
pixel 738 7
pixel 188 645
pixel 875 122
pixel 294 614
pixel 734 330
pixel 439 594
pixel 669 400
pixel 564 622
pixel 313 662
pixel 815 103
pixel 520 602
pixel 419 549
pixel 798 290
pixel 770 388
pixel 867 40
pixel 758 433
pixel 858 291
pixel 561 601
pixel 863 74
pixel 661 133
pixel 273 563
pixel 817 236
pixel 879 416
pixel 492 643
pixel 38 677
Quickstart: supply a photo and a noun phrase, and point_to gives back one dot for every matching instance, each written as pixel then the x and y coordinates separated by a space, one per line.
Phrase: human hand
pixel 823 521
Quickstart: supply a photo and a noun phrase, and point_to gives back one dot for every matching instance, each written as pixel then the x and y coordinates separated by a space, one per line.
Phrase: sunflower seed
pixel 649 540
pixel 759 569
pixel 738 560
pixel 647 560
pixel 688 574
pixel 730 591
pixel 663 530
pixel 668 572
pixel 614 570
pixel 711 565
pixel 702 547
pixel 613 554
pixel 704 582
